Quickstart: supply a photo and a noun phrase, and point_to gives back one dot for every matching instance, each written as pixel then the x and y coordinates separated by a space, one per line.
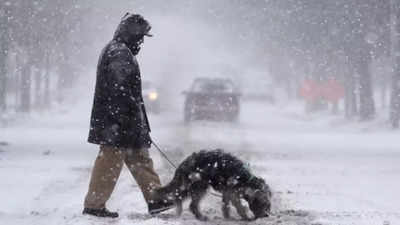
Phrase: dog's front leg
pixel 226 199
pixel 197 194
pixel 241 209
pixel 179 208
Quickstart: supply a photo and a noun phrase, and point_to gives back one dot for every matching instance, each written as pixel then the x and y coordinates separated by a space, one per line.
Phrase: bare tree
pixel 395 97
pixel 39 34
pixel 4 42
pixel 350 85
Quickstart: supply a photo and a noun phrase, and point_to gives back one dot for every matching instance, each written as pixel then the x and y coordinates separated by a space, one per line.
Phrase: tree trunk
pixel 395 100
pixel 46 92
pixel 38 89
pixel 3 63
pixel 350 99
pixel 3 82
pixel 16 83
pixel 25 85
pixel 367 103
pixel 384 89
pixel 395 96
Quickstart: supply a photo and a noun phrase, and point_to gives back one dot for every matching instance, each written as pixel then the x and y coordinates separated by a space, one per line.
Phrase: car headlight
pixel 153 96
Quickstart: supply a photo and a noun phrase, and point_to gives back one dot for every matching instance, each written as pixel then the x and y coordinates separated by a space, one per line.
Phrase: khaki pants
pixel 107 168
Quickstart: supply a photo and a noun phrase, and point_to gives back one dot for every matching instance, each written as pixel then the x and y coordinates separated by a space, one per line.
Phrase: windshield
pixel 213 86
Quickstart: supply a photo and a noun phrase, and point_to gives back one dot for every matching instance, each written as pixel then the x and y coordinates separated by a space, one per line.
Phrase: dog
pixel 224 173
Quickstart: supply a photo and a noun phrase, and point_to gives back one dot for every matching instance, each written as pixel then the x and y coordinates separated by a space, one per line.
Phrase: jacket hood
pixel 132 29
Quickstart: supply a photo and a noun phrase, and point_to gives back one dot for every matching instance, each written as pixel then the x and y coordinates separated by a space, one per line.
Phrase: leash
pixel 172 164
pixel 163 154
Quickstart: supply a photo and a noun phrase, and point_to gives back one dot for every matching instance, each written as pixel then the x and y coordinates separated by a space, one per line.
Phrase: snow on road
pixel 320 174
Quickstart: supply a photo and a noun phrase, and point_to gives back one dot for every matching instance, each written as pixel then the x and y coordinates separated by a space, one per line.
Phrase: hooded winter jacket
pixel 118 115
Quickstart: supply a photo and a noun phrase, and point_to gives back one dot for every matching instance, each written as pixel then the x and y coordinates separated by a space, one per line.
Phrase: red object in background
pixel 332 90
pixel 310 90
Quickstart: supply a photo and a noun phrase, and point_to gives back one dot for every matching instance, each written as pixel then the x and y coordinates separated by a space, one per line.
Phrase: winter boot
pixel 160 206
pixel 100 212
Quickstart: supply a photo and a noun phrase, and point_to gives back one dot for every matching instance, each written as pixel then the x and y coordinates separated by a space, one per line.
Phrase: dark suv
pixel 212 99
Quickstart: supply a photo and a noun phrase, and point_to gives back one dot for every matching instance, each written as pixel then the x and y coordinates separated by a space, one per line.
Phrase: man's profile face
pixel 138 25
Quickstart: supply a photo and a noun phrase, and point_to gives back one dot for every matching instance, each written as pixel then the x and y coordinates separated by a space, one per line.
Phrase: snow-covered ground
pixel 321 170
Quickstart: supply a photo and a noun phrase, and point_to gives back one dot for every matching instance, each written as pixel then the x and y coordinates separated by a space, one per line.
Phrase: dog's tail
pixel 175 188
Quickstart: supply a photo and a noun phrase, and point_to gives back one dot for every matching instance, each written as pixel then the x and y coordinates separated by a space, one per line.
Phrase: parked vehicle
pixel 151 97
pixel 212 99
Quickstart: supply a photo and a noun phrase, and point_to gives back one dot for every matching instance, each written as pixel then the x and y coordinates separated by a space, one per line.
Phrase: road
pixel 321 171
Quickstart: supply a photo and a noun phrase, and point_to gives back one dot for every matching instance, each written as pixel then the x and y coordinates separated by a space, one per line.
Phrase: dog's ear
pixel 267 189
pixel 125 16
pixel 249 193
pixel 263 185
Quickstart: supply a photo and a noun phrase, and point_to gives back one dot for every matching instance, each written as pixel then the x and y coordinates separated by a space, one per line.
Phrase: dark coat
pixel 118 115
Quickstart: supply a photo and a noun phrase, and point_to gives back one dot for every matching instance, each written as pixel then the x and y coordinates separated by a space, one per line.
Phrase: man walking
pixel 119 122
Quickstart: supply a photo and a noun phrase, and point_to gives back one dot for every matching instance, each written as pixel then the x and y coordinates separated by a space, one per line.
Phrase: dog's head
pixel 258 195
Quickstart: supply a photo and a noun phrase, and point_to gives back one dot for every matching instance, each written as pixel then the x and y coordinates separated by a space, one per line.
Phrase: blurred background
pixel 49 50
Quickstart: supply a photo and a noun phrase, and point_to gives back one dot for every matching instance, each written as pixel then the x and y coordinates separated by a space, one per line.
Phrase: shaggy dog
pixel 224 173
